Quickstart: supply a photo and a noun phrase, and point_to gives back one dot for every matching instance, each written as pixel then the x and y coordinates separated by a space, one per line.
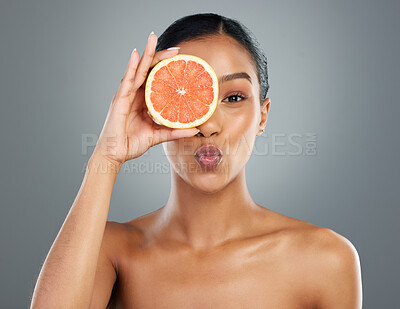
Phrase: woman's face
pixel 234 124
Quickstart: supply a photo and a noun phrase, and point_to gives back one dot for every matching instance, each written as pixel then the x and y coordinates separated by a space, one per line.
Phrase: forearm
pixel 68 273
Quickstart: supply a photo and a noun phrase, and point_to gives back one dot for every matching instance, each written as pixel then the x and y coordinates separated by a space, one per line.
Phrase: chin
pixel 207 188
pixel 208 182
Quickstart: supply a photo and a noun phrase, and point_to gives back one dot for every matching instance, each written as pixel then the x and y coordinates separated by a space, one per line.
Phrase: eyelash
pixel 237 94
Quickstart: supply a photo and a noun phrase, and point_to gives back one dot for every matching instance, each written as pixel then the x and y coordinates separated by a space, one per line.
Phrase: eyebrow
pixel 233 76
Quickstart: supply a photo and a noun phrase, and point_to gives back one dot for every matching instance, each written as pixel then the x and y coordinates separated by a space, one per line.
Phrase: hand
pixel 129 131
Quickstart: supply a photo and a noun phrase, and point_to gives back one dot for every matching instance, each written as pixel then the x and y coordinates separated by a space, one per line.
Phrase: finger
pixel 145 61
pixel 129 76
pixel 161 55
pixel 169 134
pixel 164 54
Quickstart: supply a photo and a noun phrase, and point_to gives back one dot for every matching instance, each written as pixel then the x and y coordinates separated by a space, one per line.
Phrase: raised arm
pixel 67 277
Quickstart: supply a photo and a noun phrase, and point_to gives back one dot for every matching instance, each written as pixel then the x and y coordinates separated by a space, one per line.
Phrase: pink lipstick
pixel 208 156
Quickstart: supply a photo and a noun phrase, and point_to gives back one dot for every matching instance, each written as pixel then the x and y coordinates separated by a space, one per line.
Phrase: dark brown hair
pixel 203 25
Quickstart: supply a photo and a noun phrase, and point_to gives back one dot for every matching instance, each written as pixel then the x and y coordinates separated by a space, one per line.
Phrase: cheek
pixel 242 118
pixel 241 127
pixel 180 154
pixel 171 150
pixel 179 147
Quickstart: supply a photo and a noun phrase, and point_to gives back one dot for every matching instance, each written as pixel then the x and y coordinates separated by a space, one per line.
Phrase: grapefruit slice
pixel 181 91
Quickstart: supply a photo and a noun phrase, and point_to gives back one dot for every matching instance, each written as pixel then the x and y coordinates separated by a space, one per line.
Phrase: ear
pixel 264 115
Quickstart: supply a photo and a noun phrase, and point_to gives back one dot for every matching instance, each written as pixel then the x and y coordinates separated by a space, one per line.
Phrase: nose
pixel 212 126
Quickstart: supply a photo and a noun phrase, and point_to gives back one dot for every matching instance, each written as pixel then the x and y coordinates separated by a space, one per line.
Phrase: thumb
pixel 168 134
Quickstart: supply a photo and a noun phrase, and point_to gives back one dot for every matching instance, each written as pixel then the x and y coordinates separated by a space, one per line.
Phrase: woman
pixel 210 245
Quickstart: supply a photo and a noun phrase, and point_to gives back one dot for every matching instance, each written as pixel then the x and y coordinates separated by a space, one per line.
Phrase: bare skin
pixel 279 262
pixel 210 245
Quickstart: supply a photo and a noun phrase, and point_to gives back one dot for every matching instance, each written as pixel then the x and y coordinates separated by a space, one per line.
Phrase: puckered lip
pixel 208 150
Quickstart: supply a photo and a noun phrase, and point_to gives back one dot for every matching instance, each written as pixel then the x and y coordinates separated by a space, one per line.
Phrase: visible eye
pixel 235 97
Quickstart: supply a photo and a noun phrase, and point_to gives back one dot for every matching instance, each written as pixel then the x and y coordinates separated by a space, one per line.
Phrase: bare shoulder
pixel 328 252
pixel 336 270
pixel 307 237
pixel 119 235
pixel 337 250
pixel 326 262
pixel 323 264
pixel 124 236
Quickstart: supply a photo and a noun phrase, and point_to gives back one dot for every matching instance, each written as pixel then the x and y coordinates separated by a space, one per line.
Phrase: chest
pixel 220 279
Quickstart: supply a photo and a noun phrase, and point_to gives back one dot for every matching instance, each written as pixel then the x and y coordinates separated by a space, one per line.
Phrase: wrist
pixel 100 164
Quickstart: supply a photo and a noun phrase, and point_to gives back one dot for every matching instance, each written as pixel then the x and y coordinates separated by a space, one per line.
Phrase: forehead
pixel 223 53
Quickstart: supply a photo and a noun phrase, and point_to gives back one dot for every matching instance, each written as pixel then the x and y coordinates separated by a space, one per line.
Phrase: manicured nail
pixel 151 34
pixel 133 51
pixel 173 48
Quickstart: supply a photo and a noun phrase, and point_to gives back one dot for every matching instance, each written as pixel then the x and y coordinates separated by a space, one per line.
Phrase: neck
pixel 203 219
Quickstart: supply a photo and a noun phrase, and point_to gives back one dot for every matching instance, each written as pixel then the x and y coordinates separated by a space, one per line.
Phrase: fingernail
pixel 173 48
pixel 133 51
pixel 151 34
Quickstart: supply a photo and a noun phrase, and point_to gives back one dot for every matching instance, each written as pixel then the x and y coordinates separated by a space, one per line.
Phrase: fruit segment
pixel 186 114
pixel 163 81
pixel 170 112
pixel 177 70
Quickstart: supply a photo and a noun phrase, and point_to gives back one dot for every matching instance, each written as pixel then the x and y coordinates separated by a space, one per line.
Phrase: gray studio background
pixel 334 76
